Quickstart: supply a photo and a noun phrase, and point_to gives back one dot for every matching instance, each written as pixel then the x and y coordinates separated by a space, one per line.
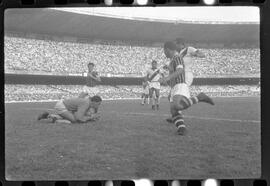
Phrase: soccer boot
pixel 181 129
pixel 169 120
pixel 202 97
pixel 43 115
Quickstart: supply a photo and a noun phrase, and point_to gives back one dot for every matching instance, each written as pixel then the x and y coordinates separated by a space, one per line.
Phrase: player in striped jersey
pixel 180 98
pixel 152 76
pixel 90 89
pixel 190 52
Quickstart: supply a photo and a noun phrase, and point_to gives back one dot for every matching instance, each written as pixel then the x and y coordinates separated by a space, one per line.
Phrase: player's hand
pixel 95 74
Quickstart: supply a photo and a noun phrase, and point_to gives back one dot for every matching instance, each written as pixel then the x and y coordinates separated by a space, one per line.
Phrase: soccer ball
pixel 90 112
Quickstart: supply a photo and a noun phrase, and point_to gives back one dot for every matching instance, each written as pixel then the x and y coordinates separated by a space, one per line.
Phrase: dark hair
pixel 154 61
pixel 170 45
pixel 91 64
pixel 96 99
pixel 179 41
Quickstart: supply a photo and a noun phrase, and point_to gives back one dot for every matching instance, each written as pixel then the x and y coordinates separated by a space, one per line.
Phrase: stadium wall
pixel 80 80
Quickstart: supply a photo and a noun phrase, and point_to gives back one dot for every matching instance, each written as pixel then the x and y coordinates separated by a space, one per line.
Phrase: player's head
pixel 169 49
pixel 180 43
pixel 154 64
pixel 96 101
pixel 90 66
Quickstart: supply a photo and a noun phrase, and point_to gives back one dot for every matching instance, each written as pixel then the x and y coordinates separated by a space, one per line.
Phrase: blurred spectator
pixel 118 58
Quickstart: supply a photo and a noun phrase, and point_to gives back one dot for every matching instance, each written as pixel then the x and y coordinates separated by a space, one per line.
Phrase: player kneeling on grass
pixel 145 93
pixel 74 110
pixel 180 98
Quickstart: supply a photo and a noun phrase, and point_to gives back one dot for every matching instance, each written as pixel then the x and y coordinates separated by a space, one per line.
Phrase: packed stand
pixel 118 58
pixel 45 92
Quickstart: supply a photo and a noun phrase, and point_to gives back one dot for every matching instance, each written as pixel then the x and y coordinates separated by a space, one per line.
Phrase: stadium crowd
pixel 118 58
pixel 45 92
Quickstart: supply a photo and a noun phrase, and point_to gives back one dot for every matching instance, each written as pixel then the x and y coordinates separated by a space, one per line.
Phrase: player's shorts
pixel 188 78
pixel 60 107
pixel 146 91
pixel 155 85
pixel 180 89
pixel 91 91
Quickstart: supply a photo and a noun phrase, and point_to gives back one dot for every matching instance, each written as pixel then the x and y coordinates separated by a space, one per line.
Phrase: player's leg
pixel 157 93
pixel 186 101
pixel 177 117
pixel 151 92
pixel 147 98
pixel 143 99
pixel 67 115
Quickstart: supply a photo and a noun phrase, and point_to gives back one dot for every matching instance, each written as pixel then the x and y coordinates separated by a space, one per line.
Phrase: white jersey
pixel 187 54
pixel 150 72
pixel 154 81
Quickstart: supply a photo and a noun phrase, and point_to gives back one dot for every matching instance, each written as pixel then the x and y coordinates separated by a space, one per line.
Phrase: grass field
pixel 132 141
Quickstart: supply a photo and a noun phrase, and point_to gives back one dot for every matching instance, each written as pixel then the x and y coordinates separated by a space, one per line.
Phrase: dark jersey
pixel 90 82
pixel 176 63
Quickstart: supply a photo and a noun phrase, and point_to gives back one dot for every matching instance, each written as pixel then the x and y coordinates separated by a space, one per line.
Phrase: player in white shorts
pixel 180 98
pixel 152 76
pixel 145 92
pixel 188 61
pixel 90 89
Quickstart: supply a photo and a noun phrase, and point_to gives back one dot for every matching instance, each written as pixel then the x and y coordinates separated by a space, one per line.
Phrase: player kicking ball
pixel 180 98
pixel 74 110
pixel 188 61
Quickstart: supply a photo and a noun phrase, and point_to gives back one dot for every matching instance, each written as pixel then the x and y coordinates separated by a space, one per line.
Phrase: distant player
pixel 90 89
pixel 74 110
pixel 188 61
pixel 145 93
pixel 179 82
pixel 152 76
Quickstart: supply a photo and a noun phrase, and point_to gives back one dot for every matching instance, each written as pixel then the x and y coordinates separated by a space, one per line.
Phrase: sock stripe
pixel 177 117
pixel 179 122
pixel 190 101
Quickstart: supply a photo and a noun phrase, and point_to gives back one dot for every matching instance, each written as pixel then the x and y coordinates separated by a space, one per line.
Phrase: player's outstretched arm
pixel 200 54
pixel 196 52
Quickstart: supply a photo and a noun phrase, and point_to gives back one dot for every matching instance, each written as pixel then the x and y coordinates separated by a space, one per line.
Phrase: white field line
pixel 193 117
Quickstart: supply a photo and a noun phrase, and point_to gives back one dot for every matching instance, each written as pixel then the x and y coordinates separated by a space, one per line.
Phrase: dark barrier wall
pixel 79 80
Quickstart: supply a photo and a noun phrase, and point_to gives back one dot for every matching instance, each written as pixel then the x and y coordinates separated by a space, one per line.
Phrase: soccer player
pixel 145 93
pixel 190 53
pixel 152 76
pixel 74 110
pixel 92 79
pixel 180 98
